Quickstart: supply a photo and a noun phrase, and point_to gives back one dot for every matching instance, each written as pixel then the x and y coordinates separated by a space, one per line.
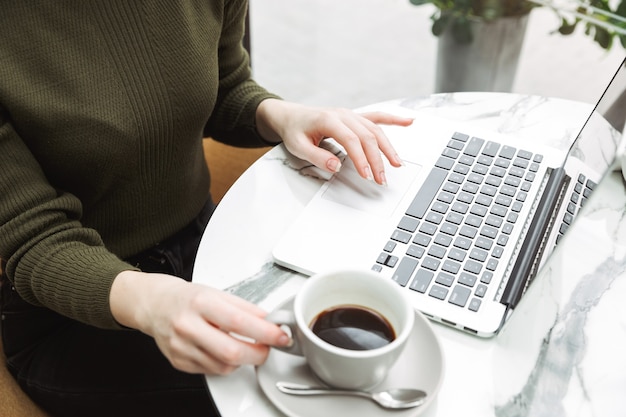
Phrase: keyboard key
pixel 445 279
pixel 465 197
pixel 443 240
pixel 430 263
pixel 481 290
pixel 473 220
pixel 473 146
pixel 449 228
pixel 460 207
pixel 484 243
pixel 427 193
pixel 489 232
pixel 444 163
pixel 450 153
pixel 455 144
pixel 492 264
pixel 493 181
pixel 482 168
pixel 439 207
pixel 460 295
pixel 463 243
pixel 438 292
pixel 461 169
pixel 468 231
pixel 491 148
pixel 457 254
pixel 494 221
pixel 408 223
pixel 422 280
pixel 432 217
pixel 390 246
pixel 428 228
pixel 445 197
pixel 400 236
pixel 449 187
pixel 468 279
pixel 520 162
pixel 437 251
pixel 460 136
pixel 415 251
pixel 466 160
pixel 456 178
pixel 488 190
pixel 421 239
pixel 451 266
pixel 405 269
pixel 455 218
pixel 502 163
pixel 479 211
pixel 478 254
pixel 473 267
pixel 508 152
pixel 377 268
pixel 486 277
pixel 474 305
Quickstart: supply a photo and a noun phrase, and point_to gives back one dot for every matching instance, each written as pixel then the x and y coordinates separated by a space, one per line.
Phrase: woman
pixel 104 196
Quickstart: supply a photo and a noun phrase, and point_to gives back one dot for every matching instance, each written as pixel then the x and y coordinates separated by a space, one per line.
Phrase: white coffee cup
pixel 339 366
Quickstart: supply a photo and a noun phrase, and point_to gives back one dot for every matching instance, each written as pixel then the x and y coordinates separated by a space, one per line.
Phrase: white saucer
pixel 421 366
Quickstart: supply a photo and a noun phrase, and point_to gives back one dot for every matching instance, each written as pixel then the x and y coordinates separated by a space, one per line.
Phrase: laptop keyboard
pixel 581 192
pixel 453 234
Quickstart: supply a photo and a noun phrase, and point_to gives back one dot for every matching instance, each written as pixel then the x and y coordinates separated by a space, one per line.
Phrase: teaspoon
pixel 393 398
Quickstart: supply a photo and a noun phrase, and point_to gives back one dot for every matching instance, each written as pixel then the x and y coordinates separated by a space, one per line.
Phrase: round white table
pixel 561 354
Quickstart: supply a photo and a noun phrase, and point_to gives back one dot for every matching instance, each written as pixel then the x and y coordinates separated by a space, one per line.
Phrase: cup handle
pixel 286 319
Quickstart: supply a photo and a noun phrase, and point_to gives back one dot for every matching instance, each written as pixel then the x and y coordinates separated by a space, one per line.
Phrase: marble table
pixel 562 352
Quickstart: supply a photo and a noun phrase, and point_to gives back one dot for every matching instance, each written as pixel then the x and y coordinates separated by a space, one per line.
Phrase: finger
pixel 203 347
pixel 387 118
pixel 369 138
pixel 233 314
pixel 383 141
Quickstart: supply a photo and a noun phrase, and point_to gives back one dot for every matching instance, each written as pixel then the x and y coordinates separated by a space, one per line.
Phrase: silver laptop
pixel 465 224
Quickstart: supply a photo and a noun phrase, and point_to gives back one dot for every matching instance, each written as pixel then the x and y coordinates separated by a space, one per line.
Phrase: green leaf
pixel 420 2
pixel 603 37
pixel 440 24
pixel 567 28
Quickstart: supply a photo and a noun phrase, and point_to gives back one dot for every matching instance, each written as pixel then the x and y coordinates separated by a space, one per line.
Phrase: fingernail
pixel 398 159
pixel 368 174
pixel 383 178
pixel 285 340
pixel 333 165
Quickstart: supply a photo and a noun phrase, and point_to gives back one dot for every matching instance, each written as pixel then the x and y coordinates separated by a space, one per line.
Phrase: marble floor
pixel 355 52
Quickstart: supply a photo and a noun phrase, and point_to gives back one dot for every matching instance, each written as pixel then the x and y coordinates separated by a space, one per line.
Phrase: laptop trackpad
pixel 349 189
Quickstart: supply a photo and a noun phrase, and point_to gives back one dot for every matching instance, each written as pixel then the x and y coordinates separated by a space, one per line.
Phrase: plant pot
pixel 488 63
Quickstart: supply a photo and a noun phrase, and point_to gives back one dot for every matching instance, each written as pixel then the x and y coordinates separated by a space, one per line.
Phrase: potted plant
pixel 480 40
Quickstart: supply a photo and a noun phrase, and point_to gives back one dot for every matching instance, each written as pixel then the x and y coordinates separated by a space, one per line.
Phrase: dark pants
pixel 72 369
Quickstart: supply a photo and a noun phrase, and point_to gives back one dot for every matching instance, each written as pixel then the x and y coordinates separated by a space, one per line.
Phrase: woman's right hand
pixel 198 328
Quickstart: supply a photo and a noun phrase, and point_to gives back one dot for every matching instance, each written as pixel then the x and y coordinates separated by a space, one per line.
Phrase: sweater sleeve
pixel 52 260
pixel 233 120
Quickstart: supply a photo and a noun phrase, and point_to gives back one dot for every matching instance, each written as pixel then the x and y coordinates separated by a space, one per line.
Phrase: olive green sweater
pixel 103 106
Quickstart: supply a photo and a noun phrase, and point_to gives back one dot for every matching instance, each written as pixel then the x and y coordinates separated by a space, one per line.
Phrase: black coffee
pixel 353 327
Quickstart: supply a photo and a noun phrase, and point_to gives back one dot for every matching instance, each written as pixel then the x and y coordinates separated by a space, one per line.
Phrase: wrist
pixel 129 298
pixel 267 112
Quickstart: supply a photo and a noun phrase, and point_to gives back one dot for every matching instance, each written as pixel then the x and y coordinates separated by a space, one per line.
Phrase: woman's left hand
pixel 302 128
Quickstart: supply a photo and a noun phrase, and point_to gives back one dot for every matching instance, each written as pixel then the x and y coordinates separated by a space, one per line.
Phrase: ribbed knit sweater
pixel 103 107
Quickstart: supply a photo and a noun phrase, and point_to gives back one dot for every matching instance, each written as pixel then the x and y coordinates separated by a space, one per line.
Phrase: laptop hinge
pixel 532 248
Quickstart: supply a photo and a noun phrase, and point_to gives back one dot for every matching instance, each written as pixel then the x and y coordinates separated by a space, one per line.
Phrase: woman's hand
pixel 302 128
pixel 193 324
